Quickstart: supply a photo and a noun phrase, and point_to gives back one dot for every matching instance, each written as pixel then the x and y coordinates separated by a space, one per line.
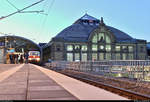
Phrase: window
pixel 69 57
pixel 108 39
pixel 84 47
pixel 118 57
pixel 142 49
pixel 124 48
pixel 117 48
pixel 124 56
pixel 91 23
pixel 77 47
pixel 58 48
pixel 96 23
pixel 130 56
pixel 108 56
pixel 84 56
pixel 108 48
pixel 101 47
pixel 85 22
pixel 69 48
pixel 130 48
pixel 94 40
pixel 101 56
pixel 94 47
pixel 77 57
pixel 94 56
pixel 101 37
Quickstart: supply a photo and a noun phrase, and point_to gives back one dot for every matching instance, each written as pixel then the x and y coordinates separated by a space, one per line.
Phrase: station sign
pixel 11 50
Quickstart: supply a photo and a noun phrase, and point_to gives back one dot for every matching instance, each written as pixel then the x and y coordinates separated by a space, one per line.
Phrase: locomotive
pixel 34 57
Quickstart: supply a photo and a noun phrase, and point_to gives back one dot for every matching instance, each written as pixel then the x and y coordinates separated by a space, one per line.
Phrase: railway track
pixel 94 81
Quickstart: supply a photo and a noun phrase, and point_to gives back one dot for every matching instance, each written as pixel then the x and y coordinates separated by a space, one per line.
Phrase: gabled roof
pixel 80 32
pixel 119 34
pixel 76 32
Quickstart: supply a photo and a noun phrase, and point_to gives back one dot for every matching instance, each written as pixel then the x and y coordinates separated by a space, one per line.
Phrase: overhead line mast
pixel 20 11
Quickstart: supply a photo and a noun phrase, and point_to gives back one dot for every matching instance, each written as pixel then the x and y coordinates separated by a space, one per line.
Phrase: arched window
pixel 101 46
pixel 101 38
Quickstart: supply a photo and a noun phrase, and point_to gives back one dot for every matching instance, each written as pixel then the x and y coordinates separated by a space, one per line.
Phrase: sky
pixel 129 16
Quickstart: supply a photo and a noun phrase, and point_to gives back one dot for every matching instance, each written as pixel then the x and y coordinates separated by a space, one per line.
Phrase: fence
pixel 136 69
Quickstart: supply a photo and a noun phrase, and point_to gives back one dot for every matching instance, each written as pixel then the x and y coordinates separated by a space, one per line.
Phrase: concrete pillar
pixel 2 56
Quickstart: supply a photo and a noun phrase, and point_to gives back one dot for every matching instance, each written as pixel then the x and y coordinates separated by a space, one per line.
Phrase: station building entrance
pixel 15 45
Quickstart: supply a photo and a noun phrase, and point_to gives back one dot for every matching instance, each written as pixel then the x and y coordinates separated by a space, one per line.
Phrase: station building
pixel 89 38
pixel 15 45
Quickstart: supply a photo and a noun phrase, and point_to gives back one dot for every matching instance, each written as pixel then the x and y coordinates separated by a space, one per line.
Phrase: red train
pixel 34 57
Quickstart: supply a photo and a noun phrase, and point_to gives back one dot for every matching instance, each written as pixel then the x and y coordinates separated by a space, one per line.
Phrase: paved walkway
pixel 31 82
pixel 5 67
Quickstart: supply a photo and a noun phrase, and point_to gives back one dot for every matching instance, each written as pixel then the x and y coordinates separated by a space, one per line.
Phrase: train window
pixel 34 53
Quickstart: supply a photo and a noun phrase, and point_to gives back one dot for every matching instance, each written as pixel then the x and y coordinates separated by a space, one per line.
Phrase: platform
pixel 31 82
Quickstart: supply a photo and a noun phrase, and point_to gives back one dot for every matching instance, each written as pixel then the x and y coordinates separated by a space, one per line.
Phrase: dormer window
pixel 85 22
pixel 89 20
pixel 97 23
pixel 91 23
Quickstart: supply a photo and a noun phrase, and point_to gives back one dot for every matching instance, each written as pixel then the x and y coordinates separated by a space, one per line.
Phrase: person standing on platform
pixel 11 58
pixel 16 59
pixel 26 55
pixel 19 58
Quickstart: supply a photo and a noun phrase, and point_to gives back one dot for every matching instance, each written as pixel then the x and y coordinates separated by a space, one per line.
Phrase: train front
pixel 34 57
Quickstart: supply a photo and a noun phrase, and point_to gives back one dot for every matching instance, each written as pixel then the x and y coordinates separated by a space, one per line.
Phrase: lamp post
pixel 5 47
pixel 5 50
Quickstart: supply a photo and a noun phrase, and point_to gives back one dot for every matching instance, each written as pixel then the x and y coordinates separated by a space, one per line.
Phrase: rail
pixel 99 83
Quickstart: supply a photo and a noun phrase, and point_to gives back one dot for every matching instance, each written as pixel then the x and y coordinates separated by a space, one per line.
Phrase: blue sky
pixel 129 16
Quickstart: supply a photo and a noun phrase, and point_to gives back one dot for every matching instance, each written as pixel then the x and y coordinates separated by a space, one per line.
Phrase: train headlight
pixel 38 59
pixel 30 59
